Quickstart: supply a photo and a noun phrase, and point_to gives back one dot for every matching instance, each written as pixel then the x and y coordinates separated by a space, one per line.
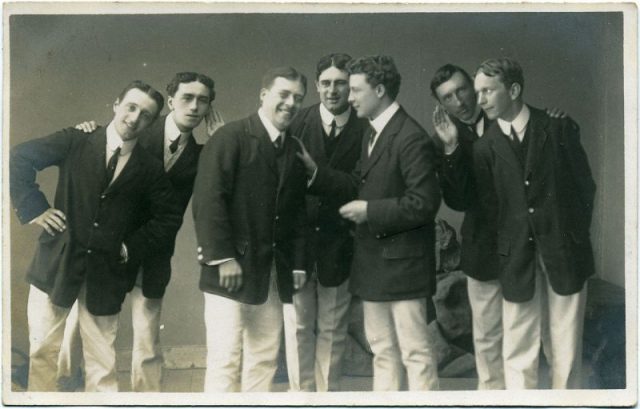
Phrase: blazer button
pixel 95 224
pixel 362 181
pixel 530 238
pixel 273 245
pixel 317 228
pixel 103 196
pixel 526 183
pixel 200 257
pixel 89 251
pixel 531 210
pixel 277 217
pixel 199 249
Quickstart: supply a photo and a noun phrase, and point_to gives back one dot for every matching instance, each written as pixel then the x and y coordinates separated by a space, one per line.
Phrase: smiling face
pixel 281 102
pixel 333 88
pixel 457 96
pixel 189 105
pixel 495 99
pixel 135 112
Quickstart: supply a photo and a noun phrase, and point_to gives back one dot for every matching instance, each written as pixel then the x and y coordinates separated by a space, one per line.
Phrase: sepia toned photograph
pixel 315 204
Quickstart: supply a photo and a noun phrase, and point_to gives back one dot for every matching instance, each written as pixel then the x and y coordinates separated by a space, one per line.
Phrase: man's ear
pixel 170 103
pixel 263 92
pixel 115 104
pixel 381 91
pixel 515 91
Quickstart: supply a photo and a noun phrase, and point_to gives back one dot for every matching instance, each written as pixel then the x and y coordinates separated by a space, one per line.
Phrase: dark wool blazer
pixel 330 238
pixel 394 257
pixel 244 208
pixel 544 205
pixel 157 269
pixel 99 220
pixel 479 259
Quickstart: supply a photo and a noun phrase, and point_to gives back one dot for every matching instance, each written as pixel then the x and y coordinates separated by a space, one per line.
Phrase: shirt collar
pixel 519 123
pixel 383 119
pixel 327 117
pixel 114 141
pixel 271 129
pixel 171 130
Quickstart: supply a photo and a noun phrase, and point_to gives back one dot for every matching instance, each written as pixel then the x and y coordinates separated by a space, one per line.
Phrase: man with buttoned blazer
pixel 533 179
pixel 169 139
pixel 393 268
pixel 250 220
pixel 316 322
pixel 92 234
pixel 459 122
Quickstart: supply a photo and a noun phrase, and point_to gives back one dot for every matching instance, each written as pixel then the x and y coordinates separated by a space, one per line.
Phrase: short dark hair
pixel 289 73
pixel 147 89
pixel 444 74
pixel 338 60
pixel 378 69
pixel 506 69
pixel 186 77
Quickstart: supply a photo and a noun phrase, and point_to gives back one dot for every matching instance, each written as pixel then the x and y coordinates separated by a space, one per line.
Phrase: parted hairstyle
pixel 507 70
pixel 378 69
pixel 289 73
pixel 338 60
pixel 186 77
pixel 147 89
pixel 444 74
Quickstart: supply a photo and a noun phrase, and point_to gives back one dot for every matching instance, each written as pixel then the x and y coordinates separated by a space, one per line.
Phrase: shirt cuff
pixel 452 151
pixel 299 272
pixel 218 262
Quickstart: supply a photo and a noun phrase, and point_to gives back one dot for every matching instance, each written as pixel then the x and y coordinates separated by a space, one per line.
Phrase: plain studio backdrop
pixel 66 69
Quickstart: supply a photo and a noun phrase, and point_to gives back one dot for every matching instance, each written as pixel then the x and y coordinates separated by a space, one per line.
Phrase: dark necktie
pixel 277 144
pixel 514 137
pixel 474 126
pixel 372 138
pixel 173 147
pixel 111 166
pixel 332 133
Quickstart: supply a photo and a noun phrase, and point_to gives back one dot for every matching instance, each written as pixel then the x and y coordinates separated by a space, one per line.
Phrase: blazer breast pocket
pixel 504 246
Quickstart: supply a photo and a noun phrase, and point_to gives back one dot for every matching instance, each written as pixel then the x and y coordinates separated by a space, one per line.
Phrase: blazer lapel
pixel 313 128
pixel 503 149
pixel 347 139
pixel 257 130
pixel 289 155
pixel 186 158
pixel 98 161
pixel 128 171
pixel 392 128
pixel 537 135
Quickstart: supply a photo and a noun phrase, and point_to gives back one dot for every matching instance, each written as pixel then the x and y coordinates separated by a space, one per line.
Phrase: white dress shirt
pixel 171 133
pixel 114 141
pixel 519 123
pixel 327 118
pixel 381 121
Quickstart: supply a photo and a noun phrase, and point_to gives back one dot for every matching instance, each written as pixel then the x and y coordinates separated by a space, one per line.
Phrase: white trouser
pixel 146 356
pixel 70 357
pixel 524 329
pixel 315 328
pixel 485 298
pixel 46 329
pixel 242 342
pixel 397 334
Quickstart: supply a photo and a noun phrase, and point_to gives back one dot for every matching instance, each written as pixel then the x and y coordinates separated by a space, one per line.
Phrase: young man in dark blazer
pixel 316 322
pixel 169 139
pixel 92 233
pixel 250 219
pixel 459 122
pixel 534 181
pixel 393 269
